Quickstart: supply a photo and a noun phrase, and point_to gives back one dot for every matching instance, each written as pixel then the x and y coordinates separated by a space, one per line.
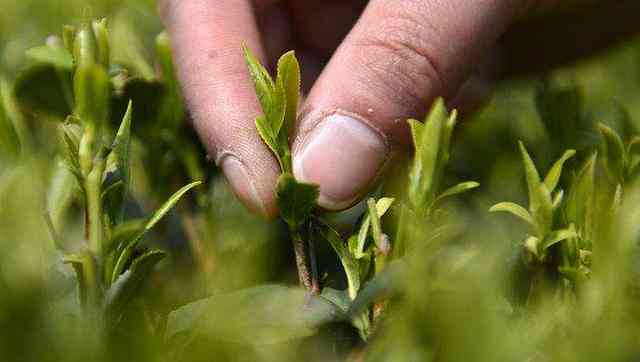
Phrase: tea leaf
pixel 558 236
pixel 457 189
pixel 427 138
pixel 557 199
pixel 614 156
pixel 295 200
pixel 151 222
pixel 382 206
pixel 580 199
pixel 515 210
pixel 41 89
pixel 289 80
pixel 553 176
pixel 125 288
pixel 387 283
pixel 266 314
pixel 57 56
pixel 349 263
pixel 123 233
pixel 120 149
pixel 540 204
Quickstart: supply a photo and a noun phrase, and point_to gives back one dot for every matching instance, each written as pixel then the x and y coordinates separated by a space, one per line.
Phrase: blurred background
pixel 587 71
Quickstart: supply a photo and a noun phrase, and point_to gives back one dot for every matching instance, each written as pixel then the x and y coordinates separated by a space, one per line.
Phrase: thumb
pixel 396 60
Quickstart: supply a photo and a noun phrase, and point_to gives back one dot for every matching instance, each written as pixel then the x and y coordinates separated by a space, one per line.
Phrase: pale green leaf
pixel 92 92
pixel 347 260
pixel 553 176
pixel 557 199
pixel 558 236
pixel 540 203
pixel 382 206
pixel 120 149
pixel 514 209
pixel 289 80
pixel 56 56
pixel 457 189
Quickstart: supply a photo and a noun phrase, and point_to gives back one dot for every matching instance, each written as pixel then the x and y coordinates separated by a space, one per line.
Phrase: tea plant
pixel 110 265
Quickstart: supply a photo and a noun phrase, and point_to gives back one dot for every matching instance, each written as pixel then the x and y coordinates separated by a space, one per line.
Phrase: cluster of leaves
pixel 109 264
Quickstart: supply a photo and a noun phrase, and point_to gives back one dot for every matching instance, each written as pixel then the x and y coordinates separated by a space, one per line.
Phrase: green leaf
pixel 349 263
pixel 113 203
pixel 540 203
pixel 120 150
pixel 390 281
pixel 261 315
pixel 614 156
pixel 553 176
pixel 70 143
pixel 457 189
pixel 266 133
pixel 271 95
pixel 151 222
pixel 125 288
pixel 295 200
pixel 289 80
pixel 41 88
pixel 558 236
pixel 515 210
pixel 57 56
pixel 557 199
pixel 60 194
pixel 92 92
pixel 428 139
pixel 580 198
pixel 382 206
pixel 123 233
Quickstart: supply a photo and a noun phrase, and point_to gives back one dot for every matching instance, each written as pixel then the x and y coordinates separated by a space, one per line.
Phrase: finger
pixel 207 37
pixel 394 62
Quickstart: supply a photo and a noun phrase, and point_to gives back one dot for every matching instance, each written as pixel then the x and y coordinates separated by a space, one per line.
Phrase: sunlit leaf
pixel 553 176
pixel 516 210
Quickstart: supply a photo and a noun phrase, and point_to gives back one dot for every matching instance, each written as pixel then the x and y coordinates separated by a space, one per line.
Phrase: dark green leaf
pixel 295 200
pixel 348 261
pixel 124 289
pixel 43 89
pixel 120 149
pixel 151 222
pixel 580 199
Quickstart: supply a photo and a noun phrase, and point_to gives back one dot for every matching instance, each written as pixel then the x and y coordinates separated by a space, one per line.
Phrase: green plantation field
pixel 509 233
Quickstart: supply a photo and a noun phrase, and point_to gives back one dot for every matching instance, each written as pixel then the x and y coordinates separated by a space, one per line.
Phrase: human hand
pixel 386 60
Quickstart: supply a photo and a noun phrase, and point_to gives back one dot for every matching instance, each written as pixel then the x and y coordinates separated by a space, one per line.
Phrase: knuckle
pixel 401 53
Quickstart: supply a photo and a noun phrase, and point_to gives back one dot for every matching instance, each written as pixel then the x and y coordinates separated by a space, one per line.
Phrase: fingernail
pixel 242 184
pixel 343 155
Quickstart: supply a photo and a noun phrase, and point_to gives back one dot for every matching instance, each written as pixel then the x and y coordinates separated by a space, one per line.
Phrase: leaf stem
pixel 302 260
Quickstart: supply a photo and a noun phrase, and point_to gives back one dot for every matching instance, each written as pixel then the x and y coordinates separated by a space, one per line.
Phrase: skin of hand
pixel 371 65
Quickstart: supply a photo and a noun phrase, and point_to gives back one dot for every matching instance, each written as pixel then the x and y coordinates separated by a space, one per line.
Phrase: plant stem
pixel 302 260
pixel 94 207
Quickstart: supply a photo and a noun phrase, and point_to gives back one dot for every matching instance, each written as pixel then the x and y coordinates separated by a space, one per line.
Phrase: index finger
pixel 207 38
